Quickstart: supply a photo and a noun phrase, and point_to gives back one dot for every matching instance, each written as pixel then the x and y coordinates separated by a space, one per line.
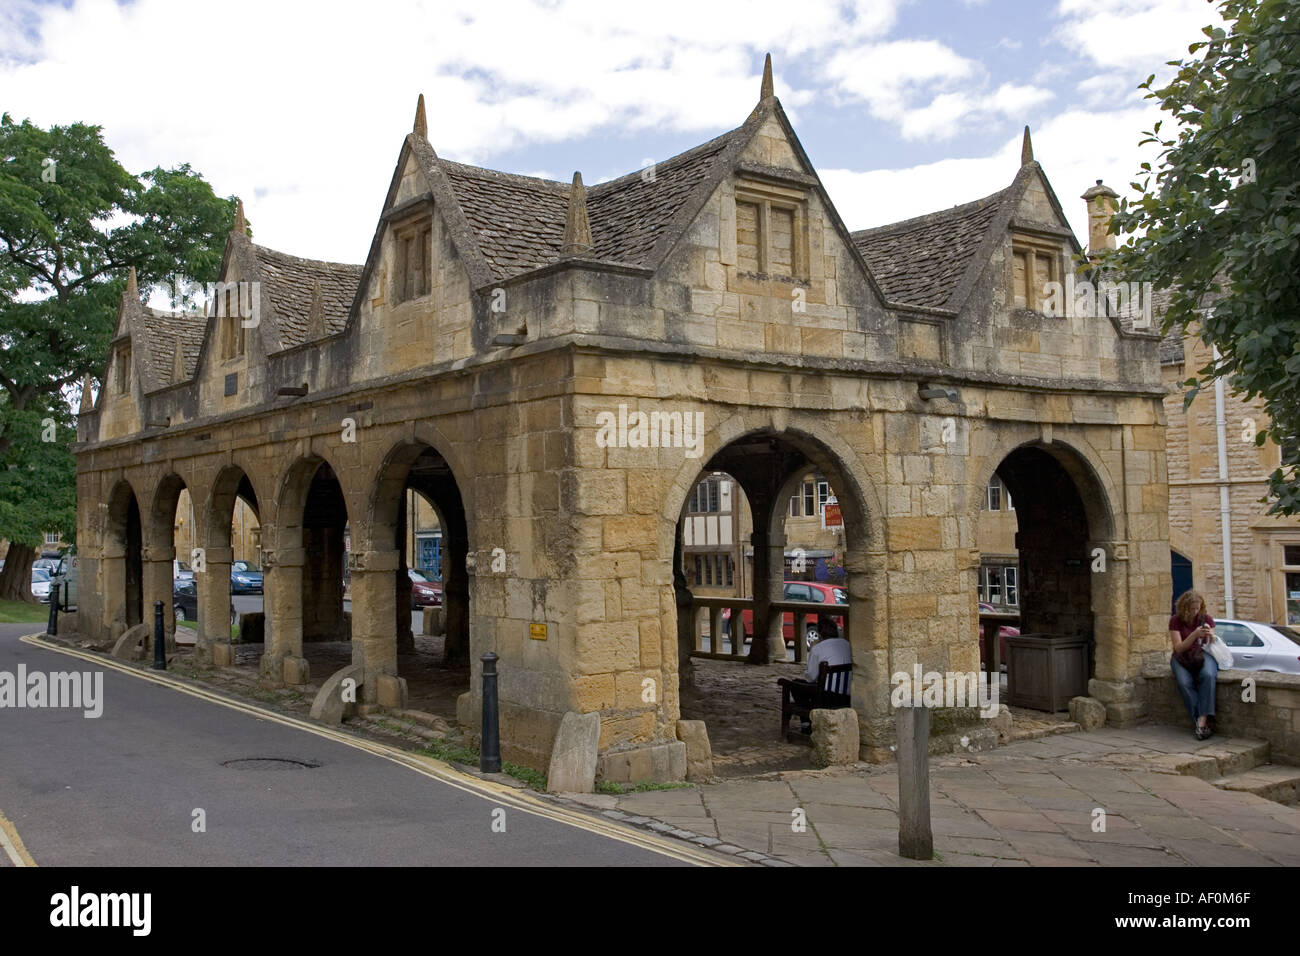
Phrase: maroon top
pixel 1194 656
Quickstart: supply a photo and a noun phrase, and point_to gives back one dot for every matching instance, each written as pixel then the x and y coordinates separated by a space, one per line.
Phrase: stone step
pixel 1274 782
pixel 1222 758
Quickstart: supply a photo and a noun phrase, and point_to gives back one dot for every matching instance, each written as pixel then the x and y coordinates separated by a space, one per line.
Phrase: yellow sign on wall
pixel 537 632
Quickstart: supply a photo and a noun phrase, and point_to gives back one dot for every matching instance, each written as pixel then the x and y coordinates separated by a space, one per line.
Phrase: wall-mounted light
pixel 933 391
pixel 293 391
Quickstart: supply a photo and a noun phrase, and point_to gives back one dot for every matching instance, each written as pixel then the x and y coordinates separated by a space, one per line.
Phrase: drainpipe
pixel 1225 511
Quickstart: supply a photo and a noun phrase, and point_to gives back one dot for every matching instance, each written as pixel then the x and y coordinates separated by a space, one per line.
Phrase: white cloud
pixel 1133 36
pixel 926 88
pixel 1074 148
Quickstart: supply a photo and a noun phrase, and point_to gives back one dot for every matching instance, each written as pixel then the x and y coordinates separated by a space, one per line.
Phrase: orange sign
pixel 834 519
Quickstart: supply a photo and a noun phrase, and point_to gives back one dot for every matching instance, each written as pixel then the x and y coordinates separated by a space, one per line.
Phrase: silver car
pixel 1260 647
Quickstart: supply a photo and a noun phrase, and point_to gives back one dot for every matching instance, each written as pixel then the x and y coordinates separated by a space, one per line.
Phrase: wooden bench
pixel 829 693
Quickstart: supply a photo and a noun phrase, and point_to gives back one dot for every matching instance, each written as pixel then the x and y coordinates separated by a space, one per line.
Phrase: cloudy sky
pixel 904 106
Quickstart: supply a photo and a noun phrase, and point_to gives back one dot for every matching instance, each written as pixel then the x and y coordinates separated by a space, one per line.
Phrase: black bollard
pixel 490 751
pixel 159 639
pixel 52 628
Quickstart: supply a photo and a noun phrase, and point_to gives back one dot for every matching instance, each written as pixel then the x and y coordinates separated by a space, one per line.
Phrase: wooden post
pixel 915 839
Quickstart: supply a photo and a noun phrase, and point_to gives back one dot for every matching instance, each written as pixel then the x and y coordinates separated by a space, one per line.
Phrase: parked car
pixel 181 571
pixel 1260 647
pixel 1004 631
pixel 424 592
pixel 812 591
pixel 185 602
pixel 41 585
pixel 245 578
pixel 64 578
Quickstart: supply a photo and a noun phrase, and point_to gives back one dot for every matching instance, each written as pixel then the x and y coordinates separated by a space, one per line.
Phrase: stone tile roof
pixel 163 329
pixel 289 282
pixel 518 221
pixel 921 261
pixel 631 213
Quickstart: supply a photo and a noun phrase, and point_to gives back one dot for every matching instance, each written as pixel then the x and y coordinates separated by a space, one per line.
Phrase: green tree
pixel 73 221
pixel 1217 219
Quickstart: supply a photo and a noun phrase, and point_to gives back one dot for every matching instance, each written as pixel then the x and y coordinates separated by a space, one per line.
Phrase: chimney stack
pixel 1101 206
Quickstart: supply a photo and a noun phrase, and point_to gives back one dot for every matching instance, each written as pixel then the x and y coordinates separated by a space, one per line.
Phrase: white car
pixel 1260 647
pixel 41 584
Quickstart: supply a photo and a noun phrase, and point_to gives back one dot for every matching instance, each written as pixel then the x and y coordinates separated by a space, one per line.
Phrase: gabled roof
pixel 922 261
pixel 160 332
pixel 290 283
pixel 518 221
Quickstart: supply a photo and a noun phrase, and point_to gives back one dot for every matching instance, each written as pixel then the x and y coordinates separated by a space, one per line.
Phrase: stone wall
pixel 1273 715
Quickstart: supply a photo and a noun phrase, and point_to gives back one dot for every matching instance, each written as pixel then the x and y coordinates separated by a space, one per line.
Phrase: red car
pixel 424 593
pixel 1004 631
pixel 811 591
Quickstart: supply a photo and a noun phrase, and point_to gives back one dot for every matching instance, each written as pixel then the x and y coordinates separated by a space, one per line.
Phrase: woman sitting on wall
pixel 1196 672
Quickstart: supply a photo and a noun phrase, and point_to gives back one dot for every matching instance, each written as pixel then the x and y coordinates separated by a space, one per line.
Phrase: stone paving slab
pixel 1025 804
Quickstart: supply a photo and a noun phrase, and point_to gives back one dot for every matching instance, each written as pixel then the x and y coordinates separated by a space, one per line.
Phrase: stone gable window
pixel 411 267
pixel 123 370
pixel 233 333
pixel 771 231
pixel 1033 266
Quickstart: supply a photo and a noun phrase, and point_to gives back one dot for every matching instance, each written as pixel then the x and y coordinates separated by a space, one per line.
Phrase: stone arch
pixel 160 548
pixel 420 464
pixel 1072 564
pixel 811 443
pixel 122 560
pixel 303 566
pixel 213 515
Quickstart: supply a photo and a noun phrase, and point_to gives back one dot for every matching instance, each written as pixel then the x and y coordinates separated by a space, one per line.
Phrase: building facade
pixel 555 368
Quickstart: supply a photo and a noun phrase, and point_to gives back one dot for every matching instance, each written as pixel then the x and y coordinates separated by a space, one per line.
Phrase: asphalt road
pixel 123 788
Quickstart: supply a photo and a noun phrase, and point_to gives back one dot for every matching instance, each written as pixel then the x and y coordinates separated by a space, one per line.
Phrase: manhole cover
pixel 270 763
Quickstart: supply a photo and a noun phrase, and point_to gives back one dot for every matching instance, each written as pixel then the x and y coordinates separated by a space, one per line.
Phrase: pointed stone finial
pixel 1026 149
pixel 316 316
pixel 178 360
pixel 421 128
pixel 240 228
pixel 767 91
pixel 132 289
pixel 577 227
pixel 87 400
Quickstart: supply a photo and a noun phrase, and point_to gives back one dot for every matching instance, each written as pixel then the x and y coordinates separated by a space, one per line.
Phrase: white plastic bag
pixel 1219 651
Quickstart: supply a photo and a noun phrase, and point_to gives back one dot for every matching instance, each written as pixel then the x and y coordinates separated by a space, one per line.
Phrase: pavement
pixel 1105 798
pixel 166 777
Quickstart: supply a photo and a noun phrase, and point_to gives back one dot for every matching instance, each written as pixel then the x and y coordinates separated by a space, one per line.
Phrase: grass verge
pixel 461 754
pixel 20 612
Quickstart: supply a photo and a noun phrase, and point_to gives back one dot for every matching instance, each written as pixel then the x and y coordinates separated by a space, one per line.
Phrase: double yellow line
pixel 500 794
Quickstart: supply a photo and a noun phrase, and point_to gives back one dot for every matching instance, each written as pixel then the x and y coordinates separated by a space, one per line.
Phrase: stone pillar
pixel 158 568
pixel 213 585
pixel 455 598
pixel 869 637
pixel 112 589
pixel 282 659
pixel 402 585
pixel 374 645
pixel 769 585
pixel 1111 683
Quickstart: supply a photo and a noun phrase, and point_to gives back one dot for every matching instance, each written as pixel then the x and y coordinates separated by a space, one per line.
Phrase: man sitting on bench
pixel 831 648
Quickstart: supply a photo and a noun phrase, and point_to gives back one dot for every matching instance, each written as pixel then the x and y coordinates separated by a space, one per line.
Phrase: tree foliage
pixel 72 222
pixel 1218 218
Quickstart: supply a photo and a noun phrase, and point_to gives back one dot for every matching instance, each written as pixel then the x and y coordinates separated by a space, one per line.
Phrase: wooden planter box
pixel 1045 670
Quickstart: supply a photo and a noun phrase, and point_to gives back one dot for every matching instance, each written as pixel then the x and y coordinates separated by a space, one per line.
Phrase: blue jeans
pixel 1197 689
